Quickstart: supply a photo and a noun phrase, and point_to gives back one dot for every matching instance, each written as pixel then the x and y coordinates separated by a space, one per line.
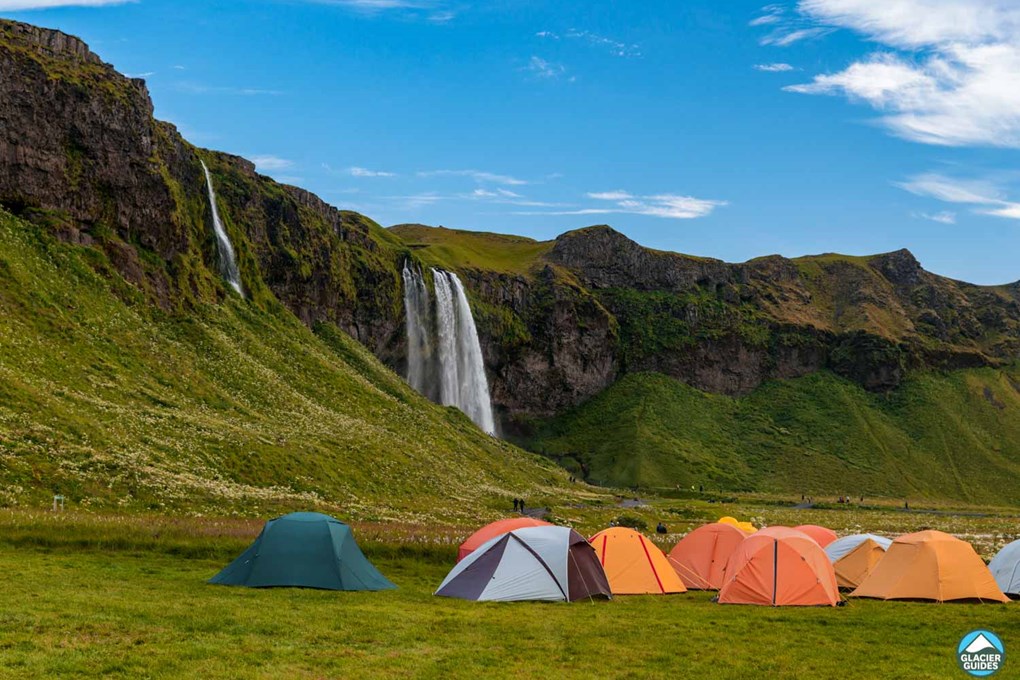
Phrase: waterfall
pixel 228 263
pixel 444 357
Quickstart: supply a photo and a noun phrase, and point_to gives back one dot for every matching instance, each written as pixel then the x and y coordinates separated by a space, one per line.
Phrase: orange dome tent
pixel 931 565
pixel 700 557
pixel 633 564
pixel 822 536
pixel 497 528
pixel 779 566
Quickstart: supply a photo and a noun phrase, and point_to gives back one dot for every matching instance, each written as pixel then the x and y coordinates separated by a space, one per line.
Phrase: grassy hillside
pixel 939 435
pixel 456 249
pixel 107 400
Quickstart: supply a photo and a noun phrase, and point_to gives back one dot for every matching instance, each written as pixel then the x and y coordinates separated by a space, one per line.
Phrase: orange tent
pixel 491 531
pixel 822 536
pixel 779 566
pixel 633 564
pixel 700 556
pixel 931 565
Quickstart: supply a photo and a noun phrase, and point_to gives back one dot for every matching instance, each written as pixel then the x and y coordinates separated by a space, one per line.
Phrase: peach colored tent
pixel 854 557
pixel 779 566
pixel 700 557
pixel 931 565
pixel 821 535
pixel 497 528
pixel 634 565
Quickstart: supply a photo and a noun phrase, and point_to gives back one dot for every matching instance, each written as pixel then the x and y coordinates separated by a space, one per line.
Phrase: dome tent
pixel 700 557
pixel 303 550
pixel 634 565
pixel 854 557
pixel 930 565
pixel 497 528
pixel 1005 567
pixel 536 563
pixel 779 566
pixel 821 535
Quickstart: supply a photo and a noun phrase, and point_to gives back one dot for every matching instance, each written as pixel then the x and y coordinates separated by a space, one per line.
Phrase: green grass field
pixel 118 596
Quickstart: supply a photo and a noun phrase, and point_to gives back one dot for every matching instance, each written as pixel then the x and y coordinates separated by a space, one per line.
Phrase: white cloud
pixel 774 68
pixel 669 206
pixel 435 11
pixel 146 74
pixel 267 162
pixel 545 69
pixel 948 72
pixel 16 5
pixel 198 88
pixel 355 171
pixel 944 217
pixel 476 175
pixel 614 47
pixel 985 197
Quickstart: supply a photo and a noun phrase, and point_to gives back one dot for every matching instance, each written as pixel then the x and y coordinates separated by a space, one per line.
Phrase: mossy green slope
pixel 459 249
pixel 113 403
pixel 940 435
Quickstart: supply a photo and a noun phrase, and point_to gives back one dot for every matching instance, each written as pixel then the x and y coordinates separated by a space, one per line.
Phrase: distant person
pixel 661 528
pixel 906 505
pixel 701 488
pixel 522 506
pixel 517 504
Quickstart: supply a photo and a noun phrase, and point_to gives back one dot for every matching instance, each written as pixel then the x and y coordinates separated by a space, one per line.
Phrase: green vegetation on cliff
pixel 114 403
pixel 457 249
pixel 939 435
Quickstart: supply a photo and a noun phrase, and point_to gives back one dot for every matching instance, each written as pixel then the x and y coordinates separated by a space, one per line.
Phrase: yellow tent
pixel 746 527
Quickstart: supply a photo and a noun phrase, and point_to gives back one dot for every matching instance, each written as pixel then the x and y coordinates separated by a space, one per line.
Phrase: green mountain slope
pixel 113 403
pixel 939 435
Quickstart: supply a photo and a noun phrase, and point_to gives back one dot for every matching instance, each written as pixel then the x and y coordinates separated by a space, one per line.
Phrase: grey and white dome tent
pixel 535 563
pixel 1005 567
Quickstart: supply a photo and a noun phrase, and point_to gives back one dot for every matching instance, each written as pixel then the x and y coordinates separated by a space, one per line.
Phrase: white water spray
pixel 228 262
pixel 454 373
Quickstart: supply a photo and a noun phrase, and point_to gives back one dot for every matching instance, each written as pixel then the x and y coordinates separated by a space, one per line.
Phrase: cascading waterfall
pixel 228 262
pixel 444 356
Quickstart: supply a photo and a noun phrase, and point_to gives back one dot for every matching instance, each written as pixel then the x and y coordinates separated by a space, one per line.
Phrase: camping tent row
pixel 774 566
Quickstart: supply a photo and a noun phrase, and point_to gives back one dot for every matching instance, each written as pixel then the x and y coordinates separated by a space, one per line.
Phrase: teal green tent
pixel 304 550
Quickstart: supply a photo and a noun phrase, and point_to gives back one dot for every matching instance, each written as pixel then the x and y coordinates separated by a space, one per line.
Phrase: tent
pixel 303 550
pixel 822 536
pixel 854 557
pixel 634 565
pixel 1005 567
pixel 930 565
pixel 700 557
pixel 498 528
pixel 746 527
pixel 534 563
pixel 779 566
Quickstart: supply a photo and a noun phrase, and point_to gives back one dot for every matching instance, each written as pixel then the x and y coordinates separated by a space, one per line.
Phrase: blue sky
pixel 727 129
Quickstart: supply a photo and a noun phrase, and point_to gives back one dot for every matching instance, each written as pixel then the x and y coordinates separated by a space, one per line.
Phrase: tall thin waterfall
pixel 228 262
pixel 450 369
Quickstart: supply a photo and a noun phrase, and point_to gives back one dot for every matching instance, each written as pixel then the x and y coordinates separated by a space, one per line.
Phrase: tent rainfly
pixel 854 557
pixel 634 565
pixel 536 563
pixel 931 565
pixel 303 550
pixel 700 557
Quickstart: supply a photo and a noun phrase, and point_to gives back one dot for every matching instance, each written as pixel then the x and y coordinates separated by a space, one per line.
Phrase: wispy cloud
pixel 786 29
pixel 948 71
pixel 614 47
pixel 476 175
pixel 146 74
pixel 355 171
pixel 668 206
pixel 269 162
pixel 542 68
pixel 17 5
pixel 985 196
pixel 436 11
pixel 944 217
pixel 774 68
pixel 198 88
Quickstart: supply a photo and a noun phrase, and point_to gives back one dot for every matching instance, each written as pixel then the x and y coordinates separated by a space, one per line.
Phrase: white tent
pixel 1006 569
pixel 842 547
pixel 534 563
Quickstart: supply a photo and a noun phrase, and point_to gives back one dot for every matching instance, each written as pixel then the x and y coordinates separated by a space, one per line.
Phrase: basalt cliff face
pixel 81 152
